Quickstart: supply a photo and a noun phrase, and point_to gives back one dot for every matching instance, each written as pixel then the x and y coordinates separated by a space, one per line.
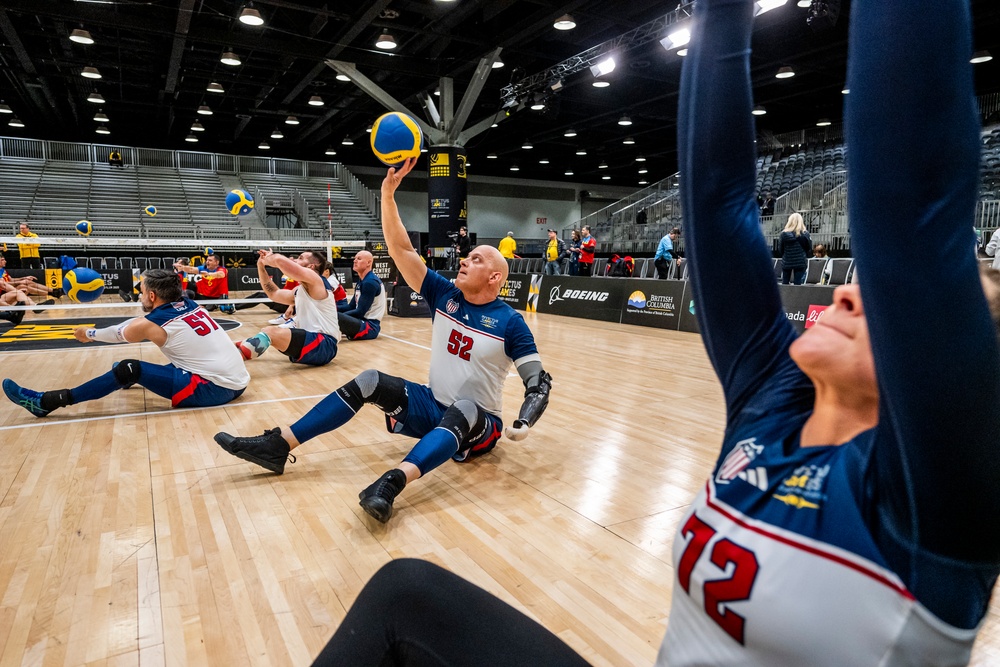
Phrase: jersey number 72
pixel 734 588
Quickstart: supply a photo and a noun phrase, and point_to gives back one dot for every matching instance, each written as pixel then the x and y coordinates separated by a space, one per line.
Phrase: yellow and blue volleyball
pixel 83 285
pixel 239 202
pixel 396 137
pixel 150 211
pixel 209 251
pixel 84 228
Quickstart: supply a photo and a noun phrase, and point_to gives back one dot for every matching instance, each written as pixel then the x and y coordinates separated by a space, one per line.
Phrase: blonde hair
pixel 795 224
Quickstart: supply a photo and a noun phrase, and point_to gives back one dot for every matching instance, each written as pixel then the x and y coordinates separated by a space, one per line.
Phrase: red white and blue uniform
pixel 318 319
pixel 367 307
pixel 882 550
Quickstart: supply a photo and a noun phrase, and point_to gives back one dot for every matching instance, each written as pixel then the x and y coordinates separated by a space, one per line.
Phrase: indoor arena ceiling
pixel 157 58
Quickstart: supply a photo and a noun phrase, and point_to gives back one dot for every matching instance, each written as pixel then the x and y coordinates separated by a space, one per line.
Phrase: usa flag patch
pixel 739 458
pixel 451 306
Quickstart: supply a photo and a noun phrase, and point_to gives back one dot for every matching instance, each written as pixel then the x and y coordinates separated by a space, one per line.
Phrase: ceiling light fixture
pixel 676 39
pixel 191 139
pixel 804 4
pixel 204 110
pixel 759 111
pixel 95 97
pixel 682 52
pixel 342 77
pixel 276 133
pixel 640 158
pixel 264 146
pixel 230 58
pixel 291 120
pixel 331 151
pixel 603 165
pixel 581 151
pixel 569 133
pixel 4 108
pixel 215 88
pixel 90 73
pixel 101 117
pixel 601 84
pixel 625 121
pixel 845 91
pixel 785 73
pixel 527 146
pixel 315 101
pixel 497 64
pixel 491 156
pixel 643 170
pixel 981 57
pixel 823 122
pixel 250 16
pixel 80 36
pixel 628 141
pixel 568 172
pixel 544 160
pixel 15 122
pixel 386 41
pixel 643 182
pixel 605 178
pixel 762 6
pixel 347 141
pixel 606 66
pixel 197 127
pixel 102 129
pixel 514 167
pixel 564 22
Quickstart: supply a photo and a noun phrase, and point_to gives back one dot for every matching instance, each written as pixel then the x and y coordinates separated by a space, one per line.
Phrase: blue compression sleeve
pixel 432 450
pixel 330 413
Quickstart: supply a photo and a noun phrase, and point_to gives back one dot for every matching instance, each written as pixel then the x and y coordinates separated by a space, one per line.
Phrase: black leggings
pixel 415 614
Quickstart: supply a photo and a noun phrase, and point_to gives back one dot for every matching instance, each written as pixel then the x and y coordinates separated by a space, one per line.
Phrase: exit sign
pixel 541 221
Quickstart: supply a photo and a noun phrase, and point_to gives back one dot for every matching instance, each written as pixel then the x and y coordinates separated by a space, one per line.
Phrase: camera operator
pixel 463 244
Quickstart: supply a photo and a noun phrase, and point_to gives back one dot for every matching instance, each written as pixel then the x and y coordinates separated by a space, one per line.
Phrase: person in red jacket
pixel 587 249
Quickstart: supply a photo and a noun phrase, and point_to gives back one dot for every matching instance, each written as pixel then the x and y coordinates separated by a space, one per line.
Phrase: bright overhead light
pixel 342 77
pixel 762 6
pixel 981 57
pixel 759 110
pixel 643 182
pixel 606 66
pixel 80 36
pixel 315 101
pixel 204 110
pixel 544 160
pixel 276 133
pixel 640 158
pixel 101 117
pixel 386 41
pixel 347 141
pixel 603 165
pixel 90 73
pixel 15 122
pixel 264 146
pixel 215 88
pixel 581 151
pixel 4 108
pixel 331 151
pixel 643 170
pixel 251 16
pixel 368 129
pixel 605 178
pixel 568 172
pixel 423 149
pixel 845 91
pixel 102 129
pixel 95 97
pixel 230 58
pixel 494 125
pixel 804 4
pixel 527 146
pixel 191 139
pixel 538 105
pixel 569 133
pixel 823 122
pixel 564 22
pixel 601 84
pixel 291 120
pixel 491 156
pixel 197 127
pixel 514 167
pixel 497 64
pixel 625 120
pixel 676 39
pixel 682 52
pixel 628 141
pixel 437 93
pixel 785 73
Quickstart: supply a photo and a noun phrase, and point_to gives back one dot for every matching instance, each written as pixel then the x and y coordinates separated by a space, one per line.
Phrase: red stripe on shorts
pixel 311 346
pixel 187 391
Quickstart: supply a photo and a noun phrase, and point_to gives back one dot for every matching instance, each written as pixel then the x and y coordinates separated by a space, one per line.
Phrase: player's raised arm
pixel 408 262
pixel 736 296
pixel 273 292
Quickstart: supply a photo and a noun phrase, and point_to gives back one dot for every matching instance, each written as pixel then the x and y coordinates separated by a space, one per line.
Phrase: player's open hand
pixel 396 174
pixel 519 431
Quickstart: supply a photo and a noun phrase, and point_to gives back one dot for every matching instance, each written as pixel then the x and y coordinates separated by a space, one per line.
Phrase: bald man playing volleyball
pixel 456 415
pixel 361 319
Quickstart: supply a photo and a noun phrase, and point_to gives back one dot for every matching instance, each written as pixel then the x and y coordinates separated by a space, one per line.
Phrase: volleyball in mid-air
pixel 396 137
pixel 209 251
pixel 84 227
pixel 239 202
pixel 150 211
pixel 83 285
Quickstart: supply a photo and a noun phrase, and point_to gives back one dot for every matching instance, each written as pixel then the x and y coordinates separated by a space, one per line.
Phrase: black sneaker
pixel 377 498
pixel 269 450
pixel 47 302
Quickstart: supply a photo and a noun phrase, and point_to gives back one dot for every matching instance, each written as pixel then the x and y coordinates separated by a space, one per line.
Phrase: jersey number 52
pixel 460 345
pixel 717 592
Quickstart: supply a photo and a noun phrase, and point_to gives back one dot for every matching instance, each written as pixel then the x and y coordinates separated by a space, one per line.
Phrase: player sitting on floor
pixel 313 340
pixel 211 282
pixel 475 337
pixel 204 367
pixel 361 319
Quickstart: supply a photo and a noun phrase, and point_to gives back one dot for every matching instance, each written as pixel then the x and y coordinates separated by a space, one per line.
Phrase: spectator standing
pixel 574 253
pixel 555 251
pixel 665 253
pixel 30 259
pixel 464 243
pixel 588 246
pixel 508 246
pixel 795 248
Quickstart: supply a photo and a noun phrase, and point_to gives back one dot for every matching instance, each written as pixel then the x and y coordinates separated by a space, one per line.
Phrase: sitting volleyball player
pixel 204 367
pixel 361 318
pixel 475 337
pixel 211 282
pixel 313 340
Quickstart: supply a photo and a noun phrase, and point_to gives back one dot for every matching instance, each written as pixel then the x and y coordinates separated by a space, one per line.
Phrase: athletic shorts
pixel 318 349
pixel 184 389
pixel 422 414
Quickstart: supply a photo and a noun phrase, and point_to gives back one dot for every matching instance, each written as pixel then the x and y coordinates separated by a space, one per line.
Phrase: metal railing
pixel 371 200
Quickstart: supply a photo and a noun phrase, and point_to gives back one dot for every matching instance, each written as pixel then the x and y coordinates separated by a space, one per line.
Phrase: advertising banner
pixel 688 320
pixel 405 302
pixel 653 303
pixel 594 299
pixel 805 304
pixel 514 291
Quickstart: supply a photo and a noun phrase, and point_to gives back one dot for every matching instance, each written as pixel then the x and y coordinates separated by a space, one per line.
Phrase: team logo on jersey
pixel 804 488
pixel 737 460
pixel 451 306
pixel 488 322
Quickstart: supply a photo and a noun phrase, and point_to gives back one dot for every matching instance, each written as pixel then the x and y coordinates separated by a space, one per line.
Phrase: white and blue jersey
pixel 472 346
pixel 882 550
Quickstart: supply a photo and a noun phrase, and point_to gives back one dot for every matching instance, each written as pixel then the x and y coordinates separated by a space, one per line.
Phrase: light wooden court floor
pixel 128 537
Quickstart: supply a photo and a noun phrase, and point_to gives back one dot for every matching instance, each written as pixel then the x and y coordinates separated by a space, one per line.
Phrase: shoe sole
pixel 273 467
pixel 377 508
pixel 17 400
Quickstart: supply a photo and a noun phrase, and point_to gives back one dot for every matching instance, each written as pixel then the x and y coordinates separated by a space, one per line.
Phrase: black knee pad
pixel 386 392
pixel 463 418
pixel 127 372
